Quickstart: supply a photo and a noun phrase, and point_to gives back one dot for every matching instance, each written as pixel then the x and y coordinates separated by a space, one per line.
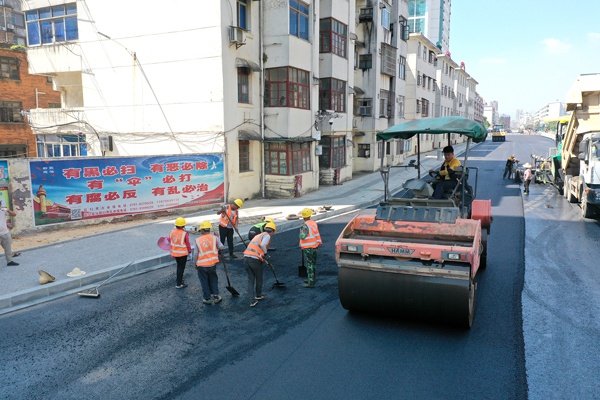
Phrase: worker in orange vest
pixel 229 223
pixel 310 240
pixel 180 249
pixel 207 257
pixel 254 255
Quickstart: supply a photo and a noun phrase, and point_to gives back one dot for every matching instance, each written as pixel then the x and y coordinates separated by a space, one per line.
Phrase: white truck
pixel 576 166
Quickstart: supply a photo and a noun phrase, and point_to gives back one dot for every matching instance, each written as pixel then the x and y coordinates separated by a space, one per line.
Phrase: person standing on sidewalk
pixel 310 240
pixel 229 223
pixel 258 228
pixel 254 255
pixel 6 237
pixel 180 249
pixel 208 248
pixel 527 177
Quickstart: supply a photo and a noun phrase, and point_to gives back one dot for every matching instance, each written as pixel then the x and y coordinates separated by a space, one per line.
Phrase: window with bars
pixel 10 111
pixel 287 158
pixel 287 87
pixel 424 107
pixel 243 85
pixel 52 24
pixel 333 37
pixel 365 61
pixel 404 29
pixel 364 150
pixel 401 101
pixel 385 103
pixel 61 145
pixel 299 12
pixel 244 155
pixel 334 152
pixel 9 68
pixel 402 68
pixel 388 59
pixel 364 107
pixel 332 94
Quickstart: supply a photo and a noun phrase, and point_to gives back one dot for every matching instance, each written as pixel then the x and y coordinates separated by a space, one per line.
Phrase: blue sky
pixel 525 53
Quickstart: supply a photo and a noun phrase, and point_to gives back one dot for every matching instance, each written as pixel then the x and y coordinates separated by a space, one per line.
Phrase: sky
pixel 525 53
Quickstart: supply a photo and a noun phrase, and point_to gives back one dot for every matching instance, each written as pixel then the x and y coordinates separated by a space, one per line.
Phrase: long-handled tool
pixel 277 284
pixel 302 269
pixel 228 287
pixel 93 292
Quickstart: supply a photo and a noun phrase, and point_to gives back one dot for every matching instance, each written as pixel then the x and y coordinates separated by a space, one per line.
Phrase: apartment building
pixel 19 91
pixel 12 22
pixel 431 18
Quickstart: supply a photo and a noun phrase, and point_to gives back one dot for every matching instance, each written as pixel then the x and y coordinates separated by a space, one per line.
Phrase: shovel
pixel 228 287
pixel 302 269
pixel 277 284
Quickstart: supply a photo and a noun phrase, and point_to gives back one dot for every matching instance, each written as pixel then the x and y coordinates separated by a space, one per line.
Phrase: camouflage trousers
pixel 310 255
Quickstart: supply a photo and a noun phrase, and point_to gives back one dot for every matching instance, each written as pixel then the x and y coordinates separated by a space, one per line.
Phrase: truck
pixel 498 133
pixel 417 256
pixel 576 165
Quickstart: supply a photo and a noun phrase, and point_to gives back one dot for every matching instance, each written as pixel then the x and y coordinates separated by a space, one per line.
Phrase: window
pixel 52 24
pixel 244 151
pixel 9 68
pixel 399 147
pixel 10 111
pixel 299 19
pixel 365 61
pixel 287 87
pixel 243 85
pixel 287 158
pixel 364 150
pixel 401 101
pixel 402 68
pixel 404 30
pixel 54 105
pixel 332 95
pixel 388 59
pixel 365 107
pixel 424 107
pixel 431 57
pixel 334 152
pixel 332 38
pixel 61 145
pixel 385 18
pixel 242 14
pixel 385 103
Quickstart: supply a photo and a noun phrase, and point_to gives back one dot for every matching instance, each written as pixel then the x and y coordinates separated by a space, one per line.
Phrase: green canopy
pixel 459 125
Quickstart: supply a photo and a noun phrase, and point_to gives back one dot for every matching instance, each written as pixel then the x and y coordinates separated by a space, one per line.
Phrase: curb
pixel 55 290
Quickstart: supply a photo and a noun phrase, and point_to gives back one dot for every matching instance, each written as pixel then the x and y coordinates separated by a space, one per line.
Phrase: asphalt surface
pixel 533 335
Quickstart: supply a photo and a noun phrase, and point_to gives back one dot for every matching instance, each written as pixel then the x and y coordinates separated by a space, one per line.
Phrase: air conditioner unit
pixel 10 26
pixel 237 35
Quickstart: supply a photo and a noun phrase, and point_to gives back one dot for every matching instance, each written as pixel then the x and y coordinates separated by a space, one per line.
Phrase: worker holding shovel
pixel 310 240
pixel 254 255
pixel 207 257
pixel 229 223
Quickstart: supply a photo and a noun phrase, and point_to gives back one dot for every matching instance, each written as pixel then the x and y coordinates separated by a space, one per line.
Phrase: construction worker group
pixel 207 251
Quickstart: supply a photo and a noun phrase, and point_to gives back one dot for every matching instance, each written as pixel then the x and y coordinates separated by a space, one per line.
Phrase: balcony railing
pixel 44 120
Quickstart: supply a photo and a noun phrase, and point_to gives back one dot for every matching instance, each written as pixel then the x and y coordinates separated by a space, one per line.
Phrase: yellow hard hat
pixel 205 225
pixel 268 219
pixel 271 225
pixel 307 212
pixel 238 202
pixel 180 222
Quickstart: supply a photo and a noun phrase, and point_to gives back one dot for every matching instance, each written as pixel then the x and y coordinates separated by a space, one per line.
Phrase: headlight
pixel 453 256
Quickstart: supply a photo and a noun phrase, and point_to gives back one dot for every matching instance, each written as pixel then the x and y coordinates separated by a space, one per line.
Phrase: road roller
pixel 418 255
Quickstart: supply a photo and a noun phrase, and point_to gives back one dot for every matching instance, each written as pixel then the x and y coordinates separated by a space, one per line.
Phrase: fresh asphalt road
pixel 144 339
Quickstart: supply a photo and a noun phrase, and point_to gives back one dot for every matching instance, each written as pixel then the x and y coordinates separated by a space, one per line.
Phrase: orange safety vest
pixel 313 239
pixel 178 246
pixel 254 250
pixel 231 214
pixel 208 253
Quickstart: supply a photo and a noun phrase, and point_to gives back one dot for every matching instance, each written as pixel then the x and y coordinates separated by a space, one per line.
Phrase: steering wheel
pixel 434 174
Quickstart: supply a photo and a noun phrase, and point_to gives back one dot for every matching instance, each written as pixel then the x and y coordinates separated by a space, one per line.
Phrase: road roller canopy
pixel 442 125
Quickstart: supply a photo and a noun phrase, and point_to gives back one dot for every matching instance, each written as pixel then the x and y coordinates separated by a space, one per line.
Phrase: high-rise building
pixel 431 18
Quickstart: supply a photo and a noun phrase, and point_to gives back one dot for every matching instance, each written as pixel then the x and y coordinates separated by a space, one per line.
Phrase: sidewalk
pixel 100 256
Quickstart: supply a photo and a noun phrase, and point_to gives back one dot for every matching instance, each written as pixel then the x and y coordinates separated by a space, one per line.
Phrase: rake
pixel 93 292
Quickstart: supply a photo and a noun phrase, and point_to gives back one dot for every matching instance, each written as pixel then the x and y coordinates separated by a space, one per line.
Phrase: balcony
pixel 55 120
